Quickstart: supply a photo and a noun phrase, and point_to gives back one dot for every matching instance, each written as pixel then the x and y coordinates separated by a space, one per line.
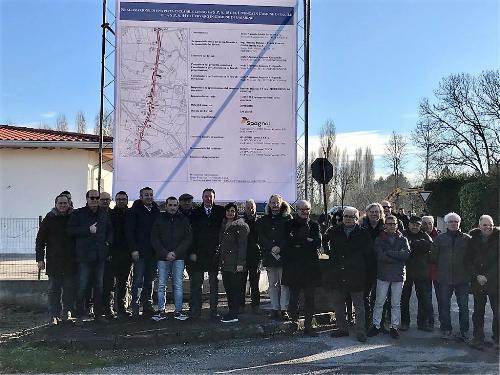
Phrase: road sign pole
pixel 325 208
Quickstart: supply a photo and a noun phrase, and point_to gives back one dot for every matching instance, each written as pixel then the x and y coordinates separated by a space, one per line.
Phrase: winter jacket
pixel 233 245
pixel 171 233
pixel 90 247
pixel 300 256
pixel 120 252
pixel 391 257
pixel 139 223
pixel 433 268
pixel 448 252
pixel 350 258
pixel 272 233
pixel 482 259
pixel 254 255
pixel 206 231
pixel 371 273
pixel 53 236
pixel 418 264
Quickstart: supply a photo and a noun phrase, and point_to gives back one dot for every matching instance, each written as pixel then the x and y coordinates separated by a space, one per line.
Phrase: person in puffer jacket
pixel 233 238
pixel 391 250
pixel 171 237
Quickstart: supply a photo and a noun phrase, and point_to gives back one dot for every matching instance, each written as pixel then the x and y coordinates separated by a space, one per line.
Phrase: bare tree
pixel 81 124
pixel 425 136
pixel 300 180
pixel 44 125
pixel 395 155
pixel 107 123
pixel 62 123
pixel 368 168
pixel 346 177
pixel 466 115
pixel 329 150
pixel 327 137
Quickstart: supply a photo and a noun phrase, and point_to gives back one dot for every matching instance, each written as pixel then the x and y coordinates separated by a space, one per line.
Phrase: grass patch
pixel 26 358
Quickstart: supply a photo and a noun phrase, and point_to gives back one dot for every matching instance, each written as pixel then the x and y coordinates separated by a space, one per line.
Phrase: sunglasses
pixel 93 198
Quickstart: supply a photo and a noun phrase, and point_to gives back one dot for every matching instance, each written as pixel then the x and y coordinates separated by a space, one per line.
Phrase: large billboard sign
pixel 206 98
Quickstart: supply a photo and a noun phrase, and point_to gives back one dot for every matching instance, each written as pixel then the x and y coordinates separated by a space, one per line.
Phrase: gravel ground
pixel 415 352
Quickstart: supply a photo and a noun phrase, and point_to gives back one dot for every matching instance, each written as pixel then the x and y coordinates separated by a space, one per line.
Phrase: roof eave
pixel 54 144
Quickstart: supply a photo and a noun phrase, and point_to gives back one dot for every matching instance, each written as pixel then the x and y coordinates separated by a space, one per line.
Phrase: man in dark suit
pixel 206 221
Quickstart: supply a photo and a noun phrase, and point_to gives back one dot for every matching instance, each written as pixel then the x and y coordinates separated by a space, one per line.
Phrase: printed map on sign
pixel 154 88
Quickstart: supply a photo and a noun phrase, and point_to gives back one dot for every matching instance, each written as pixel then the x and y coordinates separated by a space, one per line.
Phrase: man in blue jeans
pixel 448 253
pixel 93 233
pixel 139 223
pixel 171 238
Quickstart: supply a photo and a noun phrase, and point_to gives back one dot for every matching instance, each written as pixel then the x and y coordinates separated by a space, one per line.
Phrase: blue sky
pixel 371 60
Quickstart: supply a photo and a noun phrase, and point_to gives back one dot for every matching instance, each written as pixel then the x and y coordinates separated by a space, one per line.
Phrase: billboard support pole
pixel 307 12
pixel 101 108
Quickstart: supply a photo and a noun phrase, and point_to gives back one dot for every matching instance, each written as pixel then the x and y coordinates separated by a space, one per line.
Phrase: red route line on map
pixel 152 92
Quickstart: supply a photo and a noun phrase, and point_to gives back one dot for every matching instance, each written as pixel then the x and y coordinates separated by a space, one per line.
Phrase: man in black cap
pixel 418 273
pixel 186 205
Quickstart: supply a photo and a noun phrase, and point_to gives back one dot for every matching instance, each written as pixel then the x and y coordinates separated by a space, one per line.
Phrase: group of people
pixel 374 262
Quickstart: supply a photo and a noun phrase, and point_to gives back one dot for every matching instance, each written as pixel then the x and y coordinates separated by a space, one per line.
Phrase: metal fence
pixel 17 248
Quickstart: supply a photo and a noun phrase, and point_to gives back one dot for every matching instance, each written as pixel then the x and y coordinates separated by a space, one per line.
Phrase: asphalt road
pixel 416 352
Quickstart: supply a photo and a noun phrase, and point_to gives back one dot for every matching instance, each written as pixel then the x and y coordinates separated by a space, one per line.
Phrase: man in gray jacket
pixel 448 253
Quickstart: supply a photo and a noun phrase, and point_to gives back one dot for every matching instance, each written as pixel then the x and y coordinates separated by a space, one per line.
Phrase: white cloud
pixel 48 115
pixel 351 141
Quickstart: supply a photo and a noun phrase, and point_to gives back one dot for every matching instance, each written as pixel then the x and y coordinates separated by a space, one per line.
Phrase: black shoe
pixel 229 318
pixel 275 314
pixel 101 319
pixel 426 328
pixel 361 336
pixel 123 314
pixel 148 312
pixel 309 331
pixel 374 331
pixel 214 315
pixel 339 333
pixel 255 310
pixel 404 326
pixel 394 333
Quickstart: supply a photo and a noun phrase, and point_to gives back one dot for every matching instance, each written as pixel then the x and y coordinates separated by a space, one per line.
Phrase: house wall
pixel 31 178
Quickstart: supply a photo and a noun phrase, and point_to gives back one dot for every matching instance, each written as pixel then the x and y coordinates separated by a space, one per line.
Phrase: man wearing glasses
pixel 349 249
pixel 448 253
pixel 391 250
pixel 93 233
pixel 387 207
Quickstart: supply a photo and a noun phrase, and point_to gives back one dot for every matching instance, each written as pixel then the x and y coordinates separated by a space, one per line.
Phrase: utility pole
pixel 105 27
pixel 307 19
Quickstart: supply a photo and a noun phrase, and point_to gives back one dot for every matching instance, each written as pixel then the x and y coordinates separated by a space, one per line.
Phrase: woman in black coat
pixel 301 263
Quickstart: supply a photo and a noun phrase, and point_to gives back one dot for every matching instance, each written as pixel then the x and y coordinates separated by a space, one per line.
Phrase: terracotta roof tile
pixel 18 133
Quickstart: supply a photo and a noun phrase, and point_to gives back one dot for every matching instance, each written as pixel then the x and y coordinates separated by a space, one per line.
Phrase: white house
pixel 38 164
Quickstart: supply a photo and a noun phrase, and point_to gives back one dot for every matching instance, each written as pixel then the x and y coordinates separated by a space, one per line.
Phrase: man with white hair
pixel 448 253
pixel 350 248
pixel 301 271
pixel 481 260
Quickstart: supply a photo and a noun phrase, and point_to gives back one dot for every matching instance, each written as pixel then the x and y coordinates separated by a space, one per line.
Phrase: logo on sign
pixel 246 121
